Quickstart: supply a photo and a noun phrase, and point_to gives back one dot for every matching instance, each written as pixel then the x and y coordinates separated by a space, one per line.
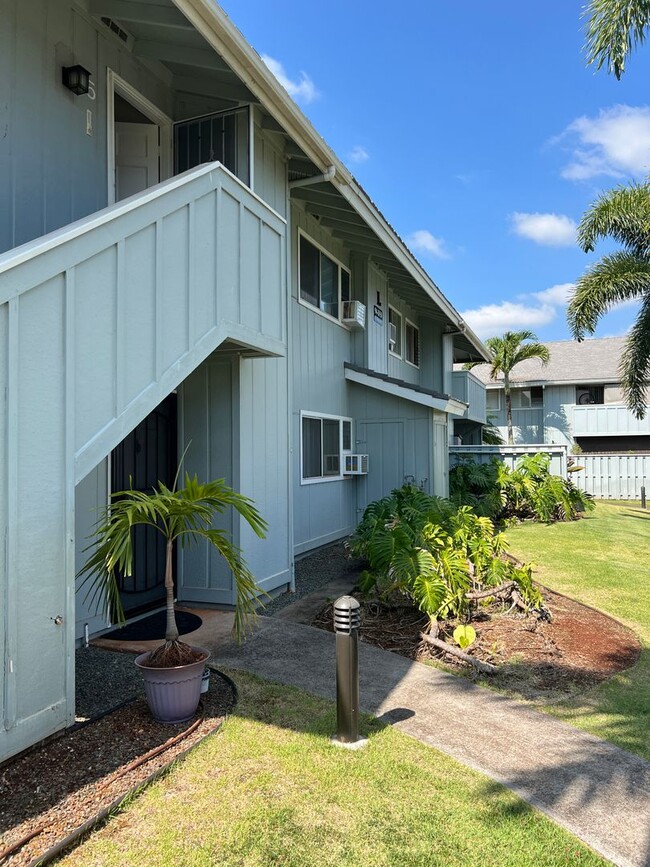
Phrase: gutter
pixel 216 27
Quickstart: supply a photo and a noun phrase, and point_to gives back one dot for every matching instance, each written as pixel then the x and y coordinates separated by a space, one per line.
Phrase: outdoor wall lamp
pixel 76 79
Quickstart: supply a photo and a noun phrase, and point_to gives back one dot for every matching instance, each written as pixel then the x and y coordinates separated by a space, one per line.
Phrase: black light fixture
pixel 76 79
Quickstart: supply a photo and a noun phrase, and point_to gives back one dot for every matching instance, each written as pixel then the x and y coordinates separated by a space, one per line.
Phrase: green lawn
pixel 603 560
pixel 270 789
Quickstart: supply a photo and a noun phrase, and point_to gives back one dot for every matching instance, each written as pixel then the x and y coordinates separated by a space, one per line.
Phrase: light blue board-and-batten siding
pixel 84 364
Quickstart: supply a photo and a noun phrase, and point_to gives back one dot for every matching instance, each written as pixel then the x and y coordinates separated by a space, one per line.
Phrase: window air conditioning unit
pixel 356 465
pixel 392 335
pixel 354 314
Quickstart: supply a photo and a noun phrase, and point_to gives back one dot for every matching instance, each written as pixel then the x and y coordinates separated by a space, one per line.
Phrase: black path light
pixel 76 78
pixel 347 620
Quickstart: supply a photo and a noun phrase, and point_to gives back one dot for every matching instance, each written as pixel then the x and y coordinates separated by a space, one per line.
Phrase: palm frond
pixel 614 28
pixel 623 214
pixel 635 362
pixel 615 278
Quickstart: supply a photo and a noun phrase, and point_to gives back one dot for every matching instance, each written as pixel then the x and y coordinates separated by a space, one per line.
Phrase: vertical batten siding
pixel 399 367
pixel 270 167
pixel 377 331
pixel 6 545
pixel 51 172
pixel 83 367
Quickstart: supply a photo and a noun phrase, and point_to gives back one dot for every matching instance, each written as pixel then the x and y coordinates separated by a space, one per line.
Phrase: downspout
pixel 327 175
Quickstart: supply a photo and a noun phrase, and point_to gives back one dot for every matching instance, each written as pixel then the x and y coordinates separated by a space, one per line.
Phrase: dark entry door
pixel 147 455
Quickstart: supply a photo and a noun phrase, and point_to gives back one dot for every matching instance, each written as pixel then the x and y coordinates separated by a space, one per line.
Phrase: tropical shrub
pixel 434 553
pixel 530 490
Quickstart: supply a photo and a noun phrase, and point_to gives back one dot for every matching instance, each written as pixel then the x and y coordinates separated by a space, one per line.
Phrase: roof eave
pixel 226 39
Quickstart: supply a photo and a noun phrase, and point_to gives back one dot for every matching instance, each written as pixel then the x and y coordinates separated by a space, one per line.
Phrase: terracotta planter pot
pixel 173 693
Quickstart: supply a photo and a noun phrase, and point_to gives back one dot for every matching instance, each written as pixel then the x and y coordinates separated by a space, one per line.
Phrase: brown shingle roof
pixel 594 360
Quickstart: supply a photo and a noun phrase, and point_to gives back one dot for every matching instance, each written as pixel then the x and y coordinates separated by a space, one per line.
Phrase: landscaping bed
pixel 52 790
pixel 536 658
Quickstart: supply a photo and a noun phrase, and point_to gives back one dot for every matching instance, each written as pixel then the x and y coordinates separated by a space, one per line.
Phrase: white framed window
pixel 527 398
pixel 412 343
pixel 394 332
pixel 324 440
pixel 493 399
pixel 323 281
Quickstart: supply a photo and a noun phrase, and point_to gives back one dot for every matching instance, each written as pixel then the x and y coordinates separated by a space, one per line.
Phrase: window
pixel 527 398
pixel 394 332
pixel 412 344
pixel 493 399
pixel 325 439
pixel 588 394
pixel 324 282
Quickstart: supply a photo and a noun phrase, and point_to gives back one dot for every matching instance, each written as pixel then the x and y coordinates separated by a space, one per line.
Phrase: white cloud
pixel 615 143
pixel 424 242
pixel 358 154
pixel 302 90
pixel 557 295
pixel 494 319
pixel 551 230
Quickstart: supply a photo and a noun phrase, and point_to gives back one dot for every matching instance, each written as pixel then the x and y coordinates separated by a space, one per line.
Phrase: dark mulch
pixel 152 627
pixel 70 779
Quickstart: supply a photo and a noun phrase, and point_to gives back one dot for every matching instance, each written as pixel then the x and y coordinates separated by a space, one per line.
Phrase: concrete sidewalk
pixel 597 791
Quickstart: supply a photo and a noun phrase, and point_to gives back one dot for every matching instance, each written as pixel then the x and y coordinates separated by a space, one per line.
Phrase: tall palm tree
pixel 185 515
pixel 507 351
pixel 614 28
pixel 624 215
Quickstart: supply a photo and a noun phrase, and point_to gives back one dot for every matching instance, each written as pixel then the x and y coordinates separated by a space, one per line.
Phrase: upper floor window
pixel 325 439
pixel 527 398
pixel 324 282
pixel 412 344
pixel 394 332
pixel 587 394
pixel 493 399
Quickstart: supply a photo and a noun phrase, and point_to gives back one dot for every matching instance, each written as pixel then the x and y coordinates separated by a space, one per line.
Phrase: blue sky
pixel 476 128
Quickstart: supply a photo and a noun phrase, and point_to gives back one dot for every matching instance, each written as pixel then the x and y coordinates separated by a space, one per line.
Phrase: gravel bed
pixel 104 679
pixel 61 784
pixel 314 571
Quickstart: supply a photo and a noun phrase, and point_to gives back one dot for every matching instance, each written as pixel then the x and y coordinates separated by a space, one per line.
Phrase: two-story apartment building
pixel 575 399
pixel 184 263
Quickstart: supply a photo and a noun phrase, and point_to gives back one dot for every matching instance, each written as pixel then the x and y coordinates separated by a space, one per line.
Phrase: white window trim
pixel 341 266
pixel 498 407
pixel 340 418
pixel 401 316
pixel 527 408
pixel 410 322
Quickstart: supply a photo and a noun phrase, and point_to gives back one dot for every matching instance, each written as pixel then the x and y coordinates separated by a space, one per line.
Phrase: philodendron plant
pixel 184 515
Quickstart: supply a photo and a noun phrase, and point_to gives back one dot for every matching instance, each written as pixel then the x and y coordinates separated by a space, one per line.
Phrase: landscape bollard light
pixel 347 620
pixel 643 497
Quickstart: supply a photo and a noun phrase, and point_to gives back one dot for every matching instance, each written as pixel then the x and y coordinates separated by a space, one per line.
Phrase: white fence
pixel 510 455
pixel 605 476
pixel 613 477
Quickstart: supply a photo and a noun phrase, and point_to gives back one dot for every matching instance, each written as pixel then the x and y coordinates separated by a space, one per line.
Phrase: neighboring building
pixel 574 399
pixel 184 260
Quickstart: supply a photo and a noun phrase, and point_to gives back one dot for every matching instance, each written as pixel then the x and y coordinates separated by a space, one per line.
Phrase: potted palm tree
pixel 173 671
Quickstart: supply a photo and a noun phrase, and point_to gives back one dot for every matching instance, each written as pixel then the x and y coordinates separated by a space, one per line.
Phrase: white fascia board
pixel 218 30
pixel 450 405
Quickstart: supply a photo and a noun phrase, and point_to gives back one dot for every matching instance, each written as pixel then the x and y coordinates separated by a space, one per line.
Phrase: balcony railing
pixel 467 387
pixel 607 420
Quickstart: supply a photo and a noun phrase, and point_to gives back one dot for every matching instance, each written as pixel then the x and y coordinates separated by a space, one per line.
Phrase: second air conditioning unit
pixel 354 314
pixel 356 465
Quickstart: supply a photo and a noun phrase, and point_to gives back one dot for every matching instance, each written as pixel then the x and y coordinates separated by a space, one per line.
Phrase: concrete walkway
pixel 594 789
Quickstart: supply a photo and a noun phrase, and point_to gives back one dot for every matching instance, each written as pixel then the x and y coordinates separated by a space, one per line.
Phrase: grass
pixel 602 560
pixel 270 789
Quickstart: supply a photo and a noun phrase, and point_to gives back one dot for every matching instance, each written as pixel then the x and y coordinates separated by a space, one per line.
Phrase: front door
pixel 384 443
pixel 147 455
pixel 137 158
